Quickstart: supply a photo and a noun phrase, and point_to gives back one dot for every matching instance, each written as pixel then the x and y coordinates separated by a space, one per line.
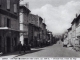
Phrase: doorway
pixel 8 44
pixel 0 43
pixel 26 41
pixel 15 43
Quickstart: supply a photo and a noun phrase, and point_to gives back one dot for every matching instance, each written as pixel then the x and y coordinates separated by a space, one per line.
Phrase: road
pixel 56 50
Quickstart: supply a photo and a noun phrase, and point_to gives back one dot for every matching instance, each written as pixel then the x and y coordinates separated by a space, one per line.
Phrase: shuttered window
pixel 0 20
pixel 5 21
pixel 8 23
pixel 8 4
pixel 15 8
pixel 0 2
pixel 0 43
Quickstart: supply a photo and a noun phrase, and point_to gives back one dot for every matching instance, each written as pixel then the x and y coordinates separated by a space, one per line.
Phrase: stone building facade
pixel 9 25
pixel 30 25
pixel 33 29
pixel 76 28
pixel 73 32
pixel 70 37
pixel 44 33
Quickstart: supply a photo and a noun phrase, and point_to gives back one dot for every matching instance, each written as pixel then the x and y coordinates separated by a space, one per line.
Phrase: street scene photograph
pixel 39 28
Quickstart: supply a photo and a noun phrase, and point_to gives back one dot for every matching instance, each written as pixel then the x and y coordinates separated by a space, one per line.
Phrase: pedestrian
pixel 29 47
pixel 24 47
pixel 19 46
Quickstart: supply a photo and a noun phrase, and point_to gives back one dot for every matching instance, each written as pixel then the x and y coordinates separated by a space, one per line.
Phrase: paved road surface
pixel 52 51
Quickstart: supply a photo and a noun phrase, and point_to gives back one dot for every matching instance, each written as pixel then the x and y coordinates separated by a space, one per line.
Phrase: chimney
pixel 27 5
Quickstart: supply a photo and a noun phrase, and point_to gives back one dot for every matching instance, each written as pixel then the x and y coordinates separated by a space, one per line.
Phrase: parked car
pixel 65 43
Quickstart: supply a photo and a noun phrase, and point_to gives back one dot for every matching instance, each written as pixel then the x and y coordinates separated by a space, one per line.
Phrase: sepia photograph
pixel 39 28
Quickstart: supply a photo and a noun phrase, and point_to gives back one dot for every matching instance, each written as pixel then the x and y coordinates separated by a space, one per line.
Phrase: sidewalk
pixel 16 54
pixel 10 55
pixel 72 49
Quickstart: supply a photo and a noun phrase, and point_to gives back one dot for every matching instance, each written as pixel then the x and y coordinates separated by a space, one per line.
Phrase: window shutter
pixel 5 22
pixel 8 4
pixel 15 8
pixel 0 20
pixel 0 2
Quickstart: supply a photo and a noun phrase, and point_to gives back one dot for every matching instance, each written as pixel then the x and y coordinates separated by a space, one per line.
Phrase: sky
pixel 58 14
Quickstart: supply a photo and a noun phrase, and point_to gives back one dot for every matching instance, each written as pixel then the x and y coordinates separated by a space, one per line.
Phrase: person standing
pixel 19 46
pixel 24 47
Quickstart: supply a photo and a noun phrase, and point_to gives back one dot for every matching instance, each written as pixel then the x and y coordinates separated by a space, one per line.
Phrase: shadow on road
pixel 22 53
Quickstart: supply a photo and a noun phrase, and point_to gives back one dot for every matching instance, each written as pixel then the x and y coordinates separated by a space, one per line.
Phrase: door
pixel 26 41
pixel 8 44
pixel 15 43
pixel 0 43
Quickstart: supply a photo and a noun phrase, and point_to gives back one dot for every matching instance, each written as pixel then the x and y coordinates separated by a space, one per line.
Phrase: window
pixel 8 4
pixel 15 41
pixel 0 2
pixel 0 20
pixel 79 21
pixel 0 43
pixel 15 8
pixel 8 23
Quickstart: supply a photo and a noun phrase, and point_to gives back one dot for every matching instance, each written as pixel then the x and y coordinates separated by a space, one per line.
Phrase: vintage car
pixel 65 43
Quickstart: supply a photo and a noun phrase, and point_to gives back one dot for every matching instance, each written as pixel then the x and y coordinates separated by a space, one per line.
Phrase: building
pixel 24 12
pixel 70 36
pixel 9 25
pixel 33 29
pixel 73 31
pixel 40 23
pixel 30 25
pixel 49 38
pixel 65 36
pixel 44 33
pixel 76 30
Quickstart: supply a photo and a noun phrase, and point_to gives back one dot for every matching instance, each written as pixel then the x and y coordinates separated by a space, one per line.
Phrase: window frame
pixel 15 8
pixel 8 23
pixel 8 4
pixel 0 2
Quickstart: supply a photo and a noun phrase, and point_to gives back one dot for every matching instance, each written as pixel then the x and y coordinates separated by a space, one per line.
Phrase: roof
pixel 44 24
pixel 73 21
pixel 70 29
pixel 25 8
pixel 76 19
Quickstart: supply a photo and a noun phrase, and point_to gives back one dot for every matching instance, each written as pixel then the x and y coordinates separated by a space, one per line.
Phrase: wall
pixel 14 22
pixel 23 25
pixel 12 2
pixel 70 37
pixel 73 34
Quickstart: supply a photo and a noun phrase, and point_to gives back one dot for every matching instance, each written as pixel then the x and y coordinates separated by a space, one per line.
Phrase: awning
pixel 6 28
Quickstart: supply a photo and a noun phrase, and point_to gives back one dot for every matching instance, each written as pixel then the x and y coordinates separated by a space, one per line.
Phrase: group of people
pixel 23 47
